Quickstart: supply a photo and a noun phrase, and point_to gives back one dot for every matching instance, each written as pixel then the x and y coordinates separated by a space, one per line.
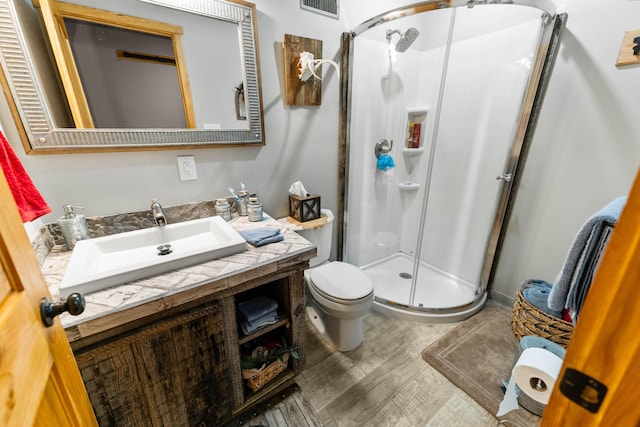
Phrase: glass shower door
pixel 383 205
pixel 477 120
pixel 421 229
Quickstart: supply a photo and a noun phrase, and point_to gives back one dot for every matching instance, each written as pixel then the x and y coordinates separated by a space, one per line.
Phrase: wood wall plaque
pixel 630 49
pixel 298 92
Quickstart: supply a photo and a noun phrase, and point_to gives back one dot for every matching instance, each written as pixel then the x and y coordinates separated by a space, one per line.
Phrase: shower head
pixel 406 39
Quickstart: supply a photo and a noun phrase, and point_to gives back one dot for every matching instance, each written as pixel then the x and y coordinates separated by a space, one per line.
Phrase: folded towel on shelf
pixel 30 202
pixel 268 319
pixel 262 236
pixel 537 293
pixel 581 251
pixel 256 308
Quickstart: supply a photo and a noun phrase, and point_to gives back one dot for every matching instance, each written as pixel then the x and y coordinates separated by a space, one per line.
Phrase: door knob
pixel 48 310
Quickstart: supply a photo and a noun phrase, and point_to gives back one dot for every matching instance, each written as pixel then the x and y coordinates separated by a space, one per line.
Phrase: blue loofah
pixel 385 162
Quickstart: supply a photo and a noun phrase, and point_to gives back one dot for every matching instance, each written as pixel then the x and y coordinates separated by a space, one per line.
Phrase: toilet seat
pixel 341 283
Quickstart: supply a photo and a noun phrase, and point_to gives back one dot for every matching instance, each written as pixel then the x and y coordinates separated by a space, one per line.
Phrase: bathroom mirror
pixel 218 78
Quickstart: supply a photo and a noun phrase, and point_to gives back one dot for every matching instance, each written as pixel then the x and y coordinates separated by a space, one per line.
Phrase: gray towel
pixel 256 307
pixel 262 236
pixel 580 286
pixel 267 319
pixel 577 257
pixel 537 293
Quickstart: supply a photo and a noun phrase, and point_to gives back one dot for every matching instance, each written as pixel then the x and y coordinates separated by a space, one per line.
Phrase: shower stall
pixel 450 96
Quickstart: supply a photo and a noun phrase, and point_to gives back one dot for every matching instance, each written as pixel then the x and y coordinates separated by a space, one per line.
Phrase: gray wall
pixel 584 154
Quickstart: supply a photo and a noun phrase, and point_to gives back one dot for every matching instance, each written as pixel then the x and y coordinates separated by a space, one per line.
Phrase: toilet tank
pixel 321 237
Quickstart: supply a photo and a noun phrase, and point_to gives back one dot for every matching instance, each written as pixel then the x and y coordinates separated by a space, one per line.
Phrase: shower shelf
pixel 408 186
pixel 415 129
pixel 412 151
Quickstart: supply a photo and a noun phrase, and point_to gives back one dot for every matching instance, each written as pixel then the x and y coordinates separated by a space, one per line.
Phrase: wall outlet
pixel 187 168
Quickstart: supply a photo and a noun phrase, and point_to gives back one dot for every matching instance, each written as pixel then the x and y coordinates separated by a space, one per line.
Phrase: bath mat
pixel 476 356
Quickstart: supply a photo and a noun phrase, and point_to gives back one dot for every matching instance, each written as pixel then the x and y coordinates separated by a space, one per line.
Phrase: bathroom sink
pixel 120 258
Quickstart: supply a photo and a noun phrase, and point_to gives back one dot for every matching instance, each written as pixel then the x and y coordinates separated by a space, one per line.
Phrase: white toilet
pixel 338 294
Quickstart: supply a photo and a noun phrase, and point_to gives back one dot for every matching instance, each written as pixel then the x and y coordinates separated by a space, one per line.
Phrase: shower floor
pixel 439 297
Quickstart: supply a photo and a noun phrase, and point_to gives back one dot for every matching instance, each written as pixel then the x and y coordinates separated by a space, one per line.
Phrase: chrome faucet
pixel 158 213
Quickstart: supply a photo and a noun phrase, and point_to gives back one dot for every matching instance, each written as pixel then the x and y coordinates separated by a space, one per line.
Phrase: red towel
pixel 30 202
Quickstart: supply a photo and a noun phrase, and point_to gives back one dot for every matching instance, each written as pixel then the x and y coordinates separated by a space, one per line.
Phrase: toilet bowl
pixel 338 294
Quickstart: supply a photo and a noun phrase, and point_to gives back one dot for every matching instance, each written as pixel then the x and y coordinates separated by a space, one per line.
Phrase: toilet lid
pixel 341 280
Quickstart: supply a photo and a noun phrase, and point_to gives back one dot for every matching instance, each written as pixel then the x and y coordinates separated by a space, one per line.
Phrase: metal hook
pixel 383 147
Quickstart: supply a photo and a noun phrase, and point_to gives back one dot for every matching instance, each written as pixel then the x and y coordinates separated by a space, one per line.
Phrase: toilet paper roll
pixel 534 341
pixel 536 372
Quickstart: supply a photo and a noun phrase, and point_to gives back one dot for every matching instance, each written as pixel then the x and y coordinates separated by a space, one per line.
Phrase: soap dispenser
pixel 72 226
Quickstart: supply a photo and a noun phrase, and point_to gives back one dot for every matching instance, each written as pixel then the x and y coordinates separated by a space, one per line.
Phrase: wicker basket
pixel 256 381
pixel 527 319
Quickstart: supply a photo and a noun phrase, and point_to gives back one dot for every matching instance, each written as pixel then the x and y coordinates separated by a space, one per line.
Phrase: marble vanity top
pixel 148 296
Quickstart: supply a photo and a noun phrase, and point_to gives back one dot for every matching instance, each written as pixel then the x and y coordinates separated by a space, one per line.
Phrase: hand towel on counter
pixel 582 250
pixel 256 308
pixel 30 202
pixel 262 236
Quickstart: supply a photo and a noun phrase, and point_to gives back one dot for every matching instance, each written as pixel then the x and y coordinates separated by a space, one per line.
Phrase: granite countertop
pixel 167 290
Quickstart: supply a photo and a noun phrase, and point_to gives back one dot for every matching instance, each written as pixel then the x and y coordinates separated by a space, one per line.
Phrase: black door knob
pixel 48 310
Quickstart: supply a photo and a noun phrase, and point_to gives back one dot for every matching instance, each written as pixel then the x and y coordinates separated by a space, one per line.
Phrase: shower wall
pixel 376 207
pixel 487 71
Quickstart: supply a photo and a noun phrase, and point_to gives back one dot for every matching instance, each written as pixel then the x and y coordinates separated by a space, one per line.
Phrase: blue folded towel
pixel 576 259
pixel 255 308
pixel 267 319
pixel 537 293
pixel 262 236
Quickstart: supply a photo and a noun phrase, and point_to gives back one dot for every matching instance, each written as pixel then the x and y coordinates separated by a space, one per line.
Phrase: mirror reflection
pixel 197 60
pixel 129 78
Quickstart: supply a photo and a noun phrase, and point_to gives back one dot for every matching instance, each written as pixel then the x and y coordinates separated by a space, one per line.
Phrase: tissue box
pixel 304 208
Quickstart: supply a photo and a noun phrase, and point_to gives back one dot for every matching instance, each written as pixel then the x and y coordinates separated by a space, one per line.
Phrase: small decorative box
pixel 304 208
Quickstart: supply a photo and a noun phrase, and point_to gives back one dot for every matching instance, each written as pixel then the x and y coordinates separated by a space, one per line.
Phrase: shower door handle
pixel 506 177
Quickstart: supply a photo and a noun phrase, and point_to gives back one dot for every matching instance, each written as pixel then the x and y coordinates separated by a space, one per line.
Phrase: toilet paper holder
pixel 582 389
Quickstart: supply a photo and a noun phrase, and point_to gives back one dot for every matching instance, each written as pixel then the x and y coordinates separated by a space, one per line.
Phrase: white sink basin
pixel 113 260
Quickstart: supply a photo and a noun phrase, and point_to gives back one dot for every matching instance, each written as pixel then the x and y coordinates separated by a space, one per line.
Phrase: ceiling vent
pixel 325 7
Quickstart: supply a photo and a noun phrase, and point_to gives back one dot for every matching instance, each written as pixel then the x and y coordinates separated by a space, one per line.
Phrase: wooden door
pixel 606 343
pixel 39 380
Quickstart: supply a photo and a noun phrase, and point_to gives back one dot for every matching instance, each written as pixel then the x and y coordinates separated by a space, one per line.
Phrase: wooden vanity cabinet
pixel 172 373
pixel 181 366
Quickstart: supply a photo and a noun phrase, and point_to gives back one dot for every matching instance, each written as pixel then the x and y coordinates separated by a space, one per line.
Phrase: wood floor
pixel 384 382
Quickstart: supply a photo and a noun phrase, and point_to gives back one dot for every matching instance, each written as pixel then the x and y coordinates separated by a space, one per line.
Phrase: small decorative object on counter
pixel 242 201
pixel 254 209
pixel 223 209
pixel 73 227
